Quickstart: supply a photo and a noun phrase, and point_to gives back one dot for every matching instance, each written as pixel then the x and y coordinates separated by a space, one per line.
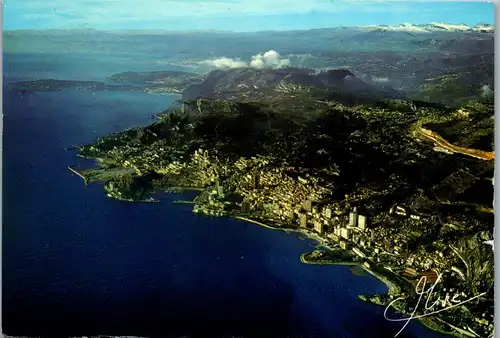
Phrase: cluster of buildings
pixel 211 202
pixel 270 193
pixel 353 233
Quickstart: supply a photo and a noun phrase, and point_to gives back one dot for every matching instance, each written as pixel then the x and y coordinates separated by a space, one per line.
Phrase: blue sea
pixel 77 264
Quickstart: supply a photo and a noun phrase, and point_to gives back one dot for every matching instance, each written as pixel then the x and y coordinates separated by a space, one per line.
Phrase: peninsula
pixel 150 82
pixel 51 85
pixel 353 175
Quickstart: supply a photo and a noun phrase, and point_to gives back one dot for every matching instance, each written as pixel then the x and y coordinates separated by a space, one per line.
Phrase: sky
pixel 236 15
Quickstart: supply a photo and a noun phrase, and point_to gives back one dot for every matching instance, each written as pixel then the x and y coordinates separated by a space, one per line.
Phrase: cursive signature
pixel 447 303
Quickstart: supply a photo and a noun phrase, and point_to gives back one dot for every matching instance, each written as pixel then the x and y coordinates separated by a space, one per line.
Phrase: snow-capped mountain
pixel 434 27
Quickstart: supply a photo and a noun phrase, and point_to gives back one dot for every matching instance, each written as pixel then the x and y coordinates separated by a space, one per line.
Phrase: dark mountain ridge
pixel 228 83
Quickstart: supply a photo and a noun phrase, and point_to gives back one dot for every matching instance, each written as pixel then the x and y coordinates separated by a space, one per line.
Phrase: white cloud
pixel 257 63
pixel 226 63
pixel 269 59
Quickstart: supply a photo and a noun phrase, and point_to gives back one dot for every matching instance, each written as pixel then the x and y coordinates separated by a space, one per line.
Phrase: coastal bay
pixel 92 246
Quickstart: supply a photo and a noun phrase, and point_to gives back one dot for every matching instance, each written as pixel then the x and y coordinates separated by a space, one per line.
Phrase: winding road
pixel 441 142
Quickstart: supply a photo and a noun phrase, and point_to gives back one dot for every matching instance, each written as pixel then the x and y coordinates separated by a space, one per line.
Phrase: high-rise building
pixel 353 218
pixel 303 220
pixel 319 226
pixel 328 213
pixel 345 233
pixel 362 222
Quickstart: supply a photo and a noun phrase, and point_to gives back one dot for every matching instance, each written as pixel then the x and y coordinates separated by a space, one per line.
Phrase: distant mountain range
pixel 435 62
pixel 405 27
pixel 433 27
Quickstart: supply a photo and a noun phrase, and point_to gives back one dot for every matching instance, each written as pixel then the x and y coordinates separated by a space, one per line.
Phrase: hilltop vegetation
pixel 369 145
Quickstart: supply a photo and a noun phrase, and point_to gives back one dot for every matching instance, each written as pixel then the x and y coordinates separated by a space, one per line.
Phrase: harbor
pixel 85 178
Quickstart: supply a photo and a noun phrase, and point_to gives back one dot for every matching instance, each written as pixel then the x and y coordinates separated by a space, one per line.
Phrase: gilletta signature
pixel 447 303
